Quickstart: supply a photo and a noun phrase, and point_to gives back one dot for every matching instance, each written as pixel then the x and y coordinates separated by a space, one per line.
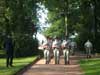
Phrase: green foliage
pixel 88 22
pixel 57 29
pixel 82 17
pixel 25 46
pixel 60 11
pixel 18 17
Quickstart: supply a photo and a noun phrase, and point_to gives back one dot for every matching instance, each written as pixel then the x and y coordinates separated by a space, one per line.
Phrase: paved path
pixel 39 68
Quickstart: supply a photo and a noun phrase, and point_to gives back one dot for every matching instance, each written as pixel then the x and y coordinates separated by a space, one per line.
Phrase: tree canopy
pixel 82 17
pixel 19 17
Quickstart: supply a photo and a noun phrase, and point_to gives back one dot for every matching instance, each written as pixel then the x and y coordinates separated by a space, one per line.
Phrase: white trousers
pixel 46 56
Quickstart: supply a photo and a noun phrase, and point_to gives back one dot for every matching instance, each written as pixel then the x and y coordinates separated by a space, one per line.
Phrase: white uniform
pixel 88 46
pixel 66 56
pixel 73 46
pixel 50 47
pixel 65 52
pixel 55 44
pixel 64 43
pixel 46 52
pixel 49 43
pixel 47 56
pixel 56 47
pixel 56 55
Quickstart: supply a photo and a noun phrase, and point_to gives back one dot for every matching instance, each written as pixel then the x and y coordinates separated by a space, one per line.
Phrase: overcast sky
pixel 42 16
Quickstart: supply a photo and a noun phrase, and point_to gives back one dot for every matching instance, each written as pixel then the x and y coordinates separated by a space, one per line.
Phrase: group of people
pixel 51 47
pixel 57 48
pixel 65 48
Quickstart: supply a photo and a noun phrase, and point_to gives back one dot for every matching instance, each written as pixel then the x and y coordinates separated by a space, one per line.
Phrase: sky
pixel 42 16
pixel 41 38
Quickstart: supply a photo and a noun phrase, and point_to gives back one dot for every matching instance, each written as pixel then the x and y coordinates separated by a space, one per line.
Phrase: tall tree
pixel 18 17
pixel 82 17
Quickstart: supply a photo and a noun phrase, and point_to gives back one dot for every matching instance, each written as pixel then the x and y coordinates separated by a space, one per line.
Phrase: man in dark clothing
pixel 8 45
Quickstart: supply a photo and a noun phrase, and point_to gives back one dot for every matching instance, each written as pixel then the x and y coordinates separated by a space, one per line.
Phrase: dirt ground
pixel 40 68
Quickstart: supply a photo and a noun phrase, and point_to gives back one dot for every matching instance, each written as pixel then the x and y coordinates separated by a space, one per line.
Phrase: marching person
pixel 88 47
pixel 65 52
pixel 56 55
pixel 73 46
pixel 46 54
pixel 49 41
pixel 56 46
pixel 56 43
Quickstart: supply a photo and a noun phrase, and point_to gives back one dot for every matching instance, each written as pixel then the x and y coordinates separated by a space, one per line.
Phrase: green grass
pixel 18 64
pixel 91 66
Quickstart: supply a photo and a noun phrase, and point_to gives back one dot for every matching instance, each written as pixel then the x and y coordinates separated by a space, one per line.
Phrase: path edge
pixel 25 68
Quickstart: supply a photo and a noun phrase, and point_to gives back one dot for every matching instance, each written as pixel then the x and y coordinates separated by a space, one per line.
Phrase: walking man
pixel 46 56
pixel 73 47
pixel 8 45
pixel 88 47
pixel 56 48
pixel 65 52
pixel 46 53
pixel 56 55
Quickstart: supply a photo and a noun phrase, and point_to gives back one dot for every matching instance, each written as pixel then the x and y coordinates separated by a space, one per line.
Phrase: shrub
pixel 25 46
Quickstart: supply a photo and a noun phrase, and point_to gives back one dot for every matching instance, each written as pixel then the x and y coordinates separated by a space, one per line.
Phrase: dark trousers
pixel 9 60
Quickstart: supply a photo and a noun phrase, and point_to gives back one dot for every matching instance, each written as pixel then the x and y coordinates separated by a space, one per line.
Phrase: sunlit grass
pixel 91 66
pixel 18 64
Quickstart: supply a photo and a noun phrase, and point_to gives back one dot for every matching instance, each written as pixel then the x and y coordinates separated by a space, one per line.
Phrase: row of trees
pixel 18 17
pixel 81 16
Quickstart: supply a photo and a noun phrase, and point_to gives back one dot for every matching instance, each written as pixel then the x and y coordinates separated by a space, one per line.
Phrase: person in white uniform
pixel 88 47
pixel 46 54
pixel 73 46
pixel 56 52
pixel 56 55
pixel 49 41
pixel 65 52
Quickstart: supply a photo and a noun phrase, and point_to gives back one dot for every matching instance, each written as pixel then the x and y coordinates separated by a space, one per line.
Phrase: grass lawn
pixel 18 64
pixel 91 66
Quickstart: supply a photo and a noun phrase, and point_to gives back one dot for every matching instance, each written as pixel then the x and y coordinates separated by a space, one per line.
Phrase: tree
pixel 18 17
pixel 82 17
pixel 66 11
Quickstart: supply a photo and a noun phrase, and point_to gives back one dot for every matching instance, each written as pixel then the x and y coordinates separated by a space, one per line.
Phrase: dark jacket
pixel 8 45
